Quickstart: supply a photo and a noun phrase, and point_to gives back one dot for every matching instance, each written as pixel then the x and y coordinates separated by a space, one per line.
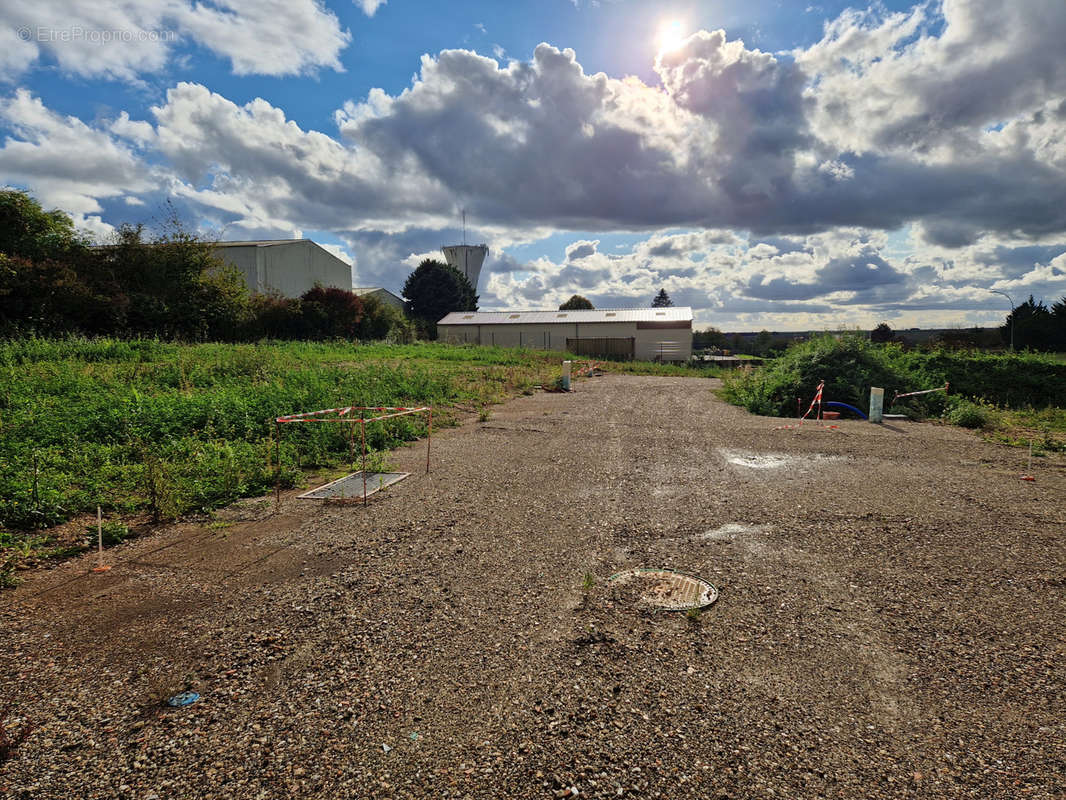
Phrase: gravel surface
pixel 890 622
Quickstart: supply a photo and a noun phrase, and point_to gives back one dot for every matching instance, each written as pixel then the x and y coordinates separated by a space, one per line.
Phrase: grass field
pixel 159 429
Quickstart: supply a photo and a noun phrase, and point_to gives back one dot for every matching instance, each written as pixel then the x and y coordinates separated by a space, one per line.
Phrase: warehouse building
pixel 286 266
pixel 645 334
pixel 384 296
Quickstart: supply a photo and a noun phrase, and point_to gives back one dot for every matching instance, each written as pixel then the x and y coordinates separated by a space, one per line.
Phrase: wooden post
pixel 100 566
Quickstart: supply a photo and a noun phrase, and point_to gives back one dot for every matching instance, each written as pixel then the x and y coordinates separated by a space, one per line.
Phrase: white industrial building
pixel 645 334
pixel 286 266
pixel 384 296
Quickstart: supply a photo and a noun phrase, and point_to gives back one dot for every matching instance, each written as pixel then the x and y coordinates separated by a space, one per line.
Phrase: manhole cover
pixel 351 486
pixel 668 590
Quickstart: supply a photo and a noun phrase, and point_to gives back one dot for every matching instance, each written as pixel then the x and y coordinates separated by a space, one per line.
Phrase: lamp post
pixel 997 291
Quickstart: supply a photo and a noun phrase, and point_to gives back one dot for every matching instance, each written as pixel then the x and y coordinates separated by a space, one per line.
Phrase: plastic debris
pixel 183 699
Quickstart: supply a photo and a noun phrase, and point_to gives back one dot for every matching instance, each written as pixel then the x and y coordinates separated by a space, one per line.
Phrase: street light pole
pixel 997 291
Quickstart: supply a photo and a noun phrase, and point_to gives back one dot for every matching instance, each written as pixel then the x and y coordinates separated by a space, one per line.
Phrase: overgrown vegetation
pixel 157 430
pixel 996 392
pixel 166 284
pixel 150 427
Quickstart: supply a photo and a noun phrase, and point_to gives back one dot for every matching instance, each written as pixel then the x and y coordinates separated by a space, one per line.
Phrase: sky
pixel 774 165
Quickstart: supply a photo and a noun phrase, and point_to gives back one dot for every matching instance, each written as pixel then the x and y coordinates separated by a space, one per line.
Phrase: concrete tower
pixel 467 258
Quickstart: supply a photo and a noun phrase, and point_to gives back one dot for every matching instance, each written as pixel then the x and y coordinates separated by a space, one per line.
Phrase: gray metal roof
pixel 669 314
pixel 260 243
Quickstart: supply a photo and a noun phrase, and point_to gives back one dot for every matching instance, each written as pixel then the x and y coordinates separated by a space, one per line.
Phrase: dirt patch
pixel 458 636
pixel 745 459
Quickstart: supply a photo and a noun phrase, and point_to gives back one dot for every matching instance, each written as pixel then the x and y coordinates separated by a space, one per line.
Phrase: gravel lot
pixel 890 622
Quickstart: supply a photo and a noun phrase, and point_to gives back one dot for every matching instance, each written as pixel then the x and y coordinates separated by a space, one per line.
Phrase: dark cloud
pixel 863 273
pixel 1013 262
pixel 949 233
pixel 580 250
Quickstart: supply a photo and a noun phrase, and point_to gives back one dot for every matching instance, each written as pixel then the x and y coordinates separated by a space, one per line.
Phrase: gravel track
pixel 890 622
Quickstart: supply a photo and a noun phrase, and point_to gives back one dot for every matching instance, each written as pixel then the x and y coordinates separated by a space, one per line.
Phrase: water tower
pixel 467 258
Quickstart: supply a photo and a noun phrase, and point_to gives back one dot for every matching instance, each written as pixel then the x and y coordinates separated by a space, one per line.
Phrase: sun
pixel 670 36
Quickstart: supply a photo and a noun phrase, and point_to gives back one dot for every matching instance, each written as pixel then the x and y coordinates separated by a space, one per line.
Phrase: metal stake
pixel 362 435
pixel 277 466
pixel 429 439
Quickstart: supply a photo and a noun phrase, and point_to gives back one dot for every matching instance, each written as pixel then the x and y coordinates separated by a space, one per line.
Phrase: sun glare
pixel 670 35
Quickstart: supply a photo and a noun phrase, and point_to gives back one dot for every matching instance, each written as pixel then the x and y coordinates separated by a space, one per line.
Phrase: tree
pixel 27 230
pixel 1034 326
pixel 763 343
pixel 577 303
pixel 712 337
pixel 662 300
pixel 172 285
pixel 47 297
pixel 1058 317
pixel 882 333
pixel 330 313
pixel 383 321
pixel 433 290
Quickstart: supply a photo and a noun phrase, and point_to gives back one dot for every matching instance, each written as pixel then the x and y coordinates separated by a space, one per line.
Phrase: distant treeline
pixel 168 285
pixel 1036 327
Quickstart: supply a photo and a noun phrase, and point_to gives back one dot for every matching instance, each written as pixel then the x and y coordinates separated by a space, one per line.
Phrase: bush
pixel 275 317
pixel 330 313
pixel 969 413
pixel 382 322
pixel 851 364
pixel 111 532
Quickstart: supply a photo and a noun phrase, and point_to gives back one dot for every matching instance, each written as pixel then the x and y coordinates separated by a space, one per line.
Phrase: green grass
pixel 161 429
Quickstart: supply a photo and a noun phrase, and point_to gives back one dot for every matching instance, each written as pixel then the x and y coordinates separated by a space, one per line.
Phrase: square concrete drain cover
pixel 351 486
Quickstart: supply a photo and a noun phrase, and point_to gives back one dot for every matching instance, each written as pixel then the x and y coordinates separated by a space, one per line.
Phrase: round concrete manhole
pixel 666 589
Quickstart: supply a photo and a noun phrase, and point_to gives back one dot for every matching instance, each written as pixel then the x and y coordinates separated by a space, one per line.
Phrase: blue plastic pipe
pixel 845 405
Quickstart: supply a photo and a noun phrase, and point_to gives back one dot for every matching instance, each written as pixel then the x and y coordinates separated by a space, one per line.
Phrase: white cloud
pixel 64 162
pixel 339 252
pixel 889 83
pixel 370 7
pixel 127 39
pixel 781 173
